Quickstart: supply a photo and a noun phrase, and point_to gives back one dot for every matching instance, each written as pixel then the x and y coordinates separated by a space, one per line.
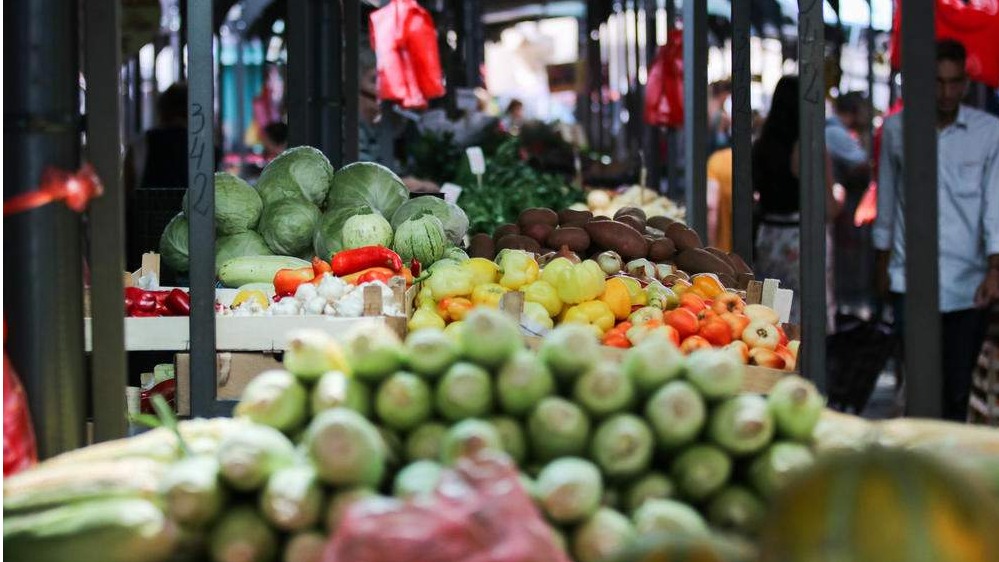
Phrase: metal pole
pixel 695 77
pixel 594 75
pixel 922 313
pixel 298 92
pixel 327 109
pixel 812 183
pixel 43 279
pixel 351 79
pixel 742 134
pixel 672 140
pixel 201 215
pixel 107 228
pixel 239 146
pixel 870 72
pixel 652 162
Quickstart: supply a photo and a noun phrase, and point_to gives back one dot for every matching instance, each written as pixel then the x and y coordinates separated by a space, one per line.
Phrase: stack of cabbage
pixel 301 208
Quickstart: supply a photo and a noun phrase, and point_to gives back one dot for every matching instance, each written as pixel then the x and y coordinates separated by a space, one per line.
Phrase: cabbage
pixel 452 217
pixel 297 173
pixel 173 243
pixel 421 238
pixel 366 230
pixel 367 183
pixel 238 245
pixel 328 239
pixel 237 205
pixel 288 226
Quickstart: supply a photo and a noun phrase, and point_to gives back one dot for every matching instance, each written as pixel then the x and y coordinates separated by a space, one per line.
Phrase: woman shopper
pixel 775 179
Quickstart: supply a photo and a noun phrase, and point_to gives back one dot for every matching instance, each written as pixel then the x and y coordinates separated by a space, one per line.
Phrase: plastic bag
pixel 404 38
pixel 478 513
pixel 19 450
pixel 664 88
pixel 975 25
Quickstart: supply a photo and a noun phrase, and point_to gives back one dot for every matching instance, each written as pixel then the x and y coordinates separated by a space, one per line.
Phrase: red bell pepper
pixel 352 261
pixel 415 267
pixel 178 302
pixel 382 274
pixel 320 266
pixel 286 281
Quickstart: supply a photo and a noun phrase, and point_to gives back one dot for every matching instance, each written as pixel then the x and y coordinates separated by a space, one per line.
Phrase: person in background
pixel 159 158
pixel 968 199
pixel 720 199
pixel 719 115
pixel 775 179
pixel 377 131
pixel 275 139
pixel 851 168
pixel 514 117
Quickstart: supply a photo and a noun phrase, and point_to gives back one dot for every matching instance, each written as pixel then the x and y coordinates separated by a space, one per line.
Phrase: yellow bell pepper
pixel 483 270
pixel 591 313
pixel 580 283
pixel 536 318
pixel 450 281
pixel 635 291
pixel 454 308
pixel 555 268
pixel 545 294
pixel 617 298
pixel 251 295
pixel 454 330
pixel 425 297
pixel 425 317
pixel 488 295
pixel 519 269
pixel 708 285
pixel 680 286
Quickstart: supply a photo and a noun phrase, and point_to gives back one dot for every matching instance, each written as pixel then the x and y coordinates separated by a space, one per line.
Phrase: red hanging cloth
pixel 664 87
pixel 405 42
pixel 975 25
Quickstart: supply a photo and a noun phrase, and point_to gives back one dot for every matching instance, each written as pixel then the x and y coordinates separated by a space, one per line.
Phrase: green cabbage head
pixel 288 226
pixel 297 173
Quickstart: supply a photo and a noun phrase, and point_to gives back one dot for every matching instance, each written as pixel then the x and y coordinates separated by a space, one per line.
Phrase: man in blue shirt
pixel 968 198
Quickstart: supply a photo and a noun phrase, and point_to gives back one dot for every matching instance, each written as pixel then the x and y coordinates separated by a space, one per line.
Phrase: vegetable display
pixel 616 473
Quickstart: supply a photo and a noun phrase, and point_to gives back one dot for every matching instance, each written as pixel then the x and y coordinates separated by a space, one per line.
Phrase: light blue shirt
pixel 844 150
pixel 968 199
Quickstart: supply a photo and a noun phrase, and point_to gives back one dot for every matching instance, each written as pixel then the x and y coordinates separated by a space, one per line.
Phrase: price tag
pixel 451 192
pixel 476 160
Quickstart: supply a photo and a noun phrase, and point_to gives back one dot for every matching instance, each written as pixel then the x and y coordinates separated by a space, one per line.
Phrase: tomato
pixel 692 302
pixel 716 332
pixel 787 356
pixel 728 302
pixel 766 358
pixel 683 321
pixel 739 350
pixel 736 323
pixel 693 343
pixel 761 335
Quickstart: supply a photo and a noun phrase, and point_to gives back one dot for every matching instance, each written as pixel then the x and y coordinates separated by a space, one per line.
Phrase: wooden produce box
pixel 234 371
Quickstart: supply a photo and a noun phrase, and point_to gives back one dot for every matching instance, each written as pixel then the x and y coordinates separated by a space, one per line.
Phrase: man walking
pixel 968 198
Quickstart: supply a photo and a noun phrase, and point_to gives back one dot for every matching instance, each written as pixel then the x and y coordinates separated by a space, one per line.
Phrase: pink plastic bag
pixel 664 88
pixel 405 42
pixel 478 513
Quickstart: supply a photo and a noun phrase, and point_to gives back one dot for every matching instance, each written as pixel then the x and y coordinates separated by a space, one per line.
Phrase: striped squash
pixel 422 238
pixel 882 505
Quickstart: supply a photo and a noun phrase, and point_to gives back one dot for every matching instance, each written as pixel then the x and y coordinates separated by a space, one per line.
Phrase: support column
pixel 43 280
pixel 923 361
pixel 742 134
pixel 812 182
pixel 107 214
pixel 695 94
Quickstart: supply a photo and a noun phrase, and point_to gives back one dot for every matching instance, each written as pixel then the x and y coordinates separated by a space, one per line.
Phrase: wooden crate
pixel 983 404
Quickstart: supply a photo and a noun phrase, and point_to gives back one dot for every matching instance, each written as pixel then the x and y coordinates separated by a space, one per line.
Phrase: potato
pixel 722 256
pixel 518 242
pixel 572 236
pixel 661 250
pixel 538 231
pixel 572 217
pixel 696 260
pixel 630 211
pixel 538 216
pixel 739 264
pixel 505 229
pixel 481 246
pixel 659 222
pixel 655 233
pixel 729 281
pixel 613 235
pixel 683 237
pixel 632 221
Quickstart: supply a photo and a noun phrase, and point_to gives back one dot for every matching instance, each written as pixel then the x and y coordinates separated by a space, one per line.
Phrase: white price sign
pixel 476 160
pixel 451 192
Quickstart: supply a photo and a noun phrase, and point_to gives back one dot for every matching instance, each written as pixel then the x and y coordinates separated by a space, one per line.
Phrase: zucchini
pixel 107 530
pixel 54 485
pixel 292 500
pixel 243 536
pixel 192 490
pixel 256 269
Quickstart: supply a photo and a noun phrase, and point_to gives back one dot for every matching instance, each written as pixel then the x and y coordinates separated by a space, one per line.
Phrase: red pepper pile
pixel 357 266
pixel 142 303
